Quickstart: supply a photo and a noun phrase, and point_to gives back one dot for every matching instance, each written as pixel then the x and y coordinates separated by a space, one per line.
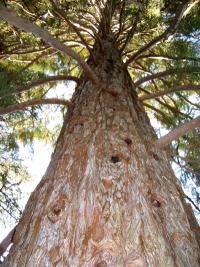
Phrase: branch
pixel 7 241
pixel 11 17
pixel 40 82
pixel 174 110
pixel 165 73
pixel 157 111
pixel 120 19
pixel 167 57
pixel 33 102
pixel 182 11
pixel 170 90
pixel 186 127
pixel 196 207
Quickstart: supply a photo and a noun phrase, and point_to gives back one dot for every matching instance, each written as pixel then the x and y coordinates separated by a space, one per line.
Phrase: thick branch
pixel 182 11
pixel 7 241
pixel 177 132
pixel 27 26
pixel 165 73
pixel 40 82
pixel 33 102
pixel 170 90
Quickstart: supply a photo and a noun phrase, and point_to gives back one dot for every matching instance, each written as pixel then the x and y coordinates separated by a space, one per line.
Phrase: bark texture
pixel 109 197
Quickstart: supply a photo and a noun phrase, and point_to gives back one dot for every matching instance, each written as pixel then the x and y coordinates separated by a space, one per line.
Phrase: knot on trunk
pixel 128 141
pixel 157 200
pixel 107 183
pixel 55 210
pixel 115 159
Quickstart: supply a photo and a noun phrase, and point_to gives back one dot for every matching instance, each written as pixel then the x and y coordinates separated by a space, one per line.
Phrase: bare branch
pixel 170 90
pixel 166 73
pixel 34 102
pixel 182 11
pixel 11 17
pixel 165 140
pixel 40 82
pixel 7 241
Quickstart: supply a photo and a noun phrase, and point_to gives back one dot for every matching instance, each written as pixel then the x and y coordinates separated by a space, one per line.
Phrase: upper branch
pixel 165 73
pixel 167 57
pixel 121 18
pixel 11 17
pixel 177 132
pixel 33 102
pixel 170 90
pixel 182 11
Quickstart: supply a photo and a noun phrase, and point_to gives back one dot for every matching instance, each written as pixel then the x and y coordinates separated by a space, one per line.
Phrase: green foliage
pixel 12 174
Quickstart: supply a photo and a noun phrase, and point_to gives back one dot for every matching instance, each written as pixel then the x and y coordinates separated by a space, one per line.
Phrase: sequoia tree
pixel 109 196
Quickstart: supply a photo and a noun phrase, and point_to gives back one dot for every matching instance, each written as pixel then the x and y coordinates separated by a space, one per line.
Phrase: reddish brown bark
pixel 109 197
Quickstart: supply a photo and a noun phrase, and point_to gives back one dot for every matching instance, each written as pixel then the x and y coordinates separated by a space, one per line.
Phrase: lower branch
pixel 40 82
pixel 177 132
pixel 33 102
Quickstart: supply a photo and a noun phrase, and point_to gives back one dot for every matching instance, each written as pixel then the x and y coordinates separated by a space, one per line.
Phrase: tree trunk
pixel 109 197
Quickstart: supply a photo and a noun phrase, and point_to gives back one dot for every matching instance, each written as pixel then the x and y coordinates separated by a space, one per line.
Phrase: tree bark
pixel 109 196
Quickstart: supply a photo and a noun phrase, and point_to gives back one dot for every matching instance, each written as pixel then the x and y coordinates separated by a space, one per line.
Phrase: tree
pixel 109 196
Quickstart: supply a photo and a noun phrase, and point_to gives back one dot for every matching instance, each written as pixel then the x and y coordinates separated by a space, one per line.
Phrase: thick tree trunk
pixel 109 197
